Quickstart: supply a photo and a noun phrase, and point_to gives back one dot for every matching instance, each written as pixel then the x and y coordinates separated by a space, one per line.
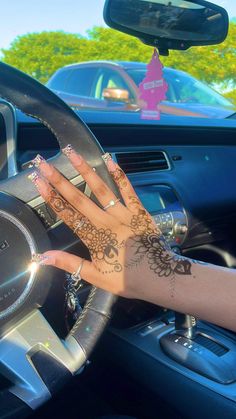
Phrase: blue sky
pixel 77 16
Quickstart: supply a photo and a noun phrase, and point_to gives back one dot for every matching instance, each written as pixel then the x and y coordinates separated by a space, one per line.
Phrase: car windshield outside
pixel 94 68
pixel 184 88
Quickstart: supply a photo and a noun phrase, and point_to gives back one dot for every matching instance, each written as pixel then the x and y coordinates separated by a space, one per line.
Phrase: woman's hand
pixel 129 255
pixel 124 243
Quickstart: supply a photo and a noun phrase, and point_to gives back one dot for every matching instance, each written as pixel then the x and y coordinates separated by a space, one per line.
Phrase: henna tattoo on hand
pixel 102 243
pixel 141 222
pixel 120 178
pixel 160 257
pixel 146 240
pixel 134 203
pixel 150 243
pixel 103 246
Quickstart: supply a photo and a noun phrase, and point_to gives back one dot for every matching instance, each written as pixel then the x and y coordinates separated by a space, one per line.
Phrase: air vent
pixel 143 161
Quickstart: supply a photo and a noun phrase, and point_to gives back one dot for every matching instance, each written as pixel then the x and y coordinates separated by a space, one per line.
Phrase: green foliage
pixel 231 96
pixel 212 64
pixel 41 54
pixel 109 44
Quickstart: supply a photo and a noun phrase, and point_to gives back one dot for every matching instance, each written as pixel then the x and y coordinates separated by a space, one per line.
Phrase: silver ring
pixel 76 277
pixel 112 203
pixel 79 224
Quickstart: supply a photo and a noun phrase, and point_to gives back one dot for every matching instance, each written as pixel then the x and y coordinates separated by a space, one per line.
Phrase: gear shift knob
pixel 185 325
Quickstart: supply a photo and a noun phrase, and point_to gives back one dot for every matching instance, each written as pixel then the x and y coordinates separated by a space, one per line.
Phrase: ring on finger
pixel 112 203
pixel 78 224
pixel 75 276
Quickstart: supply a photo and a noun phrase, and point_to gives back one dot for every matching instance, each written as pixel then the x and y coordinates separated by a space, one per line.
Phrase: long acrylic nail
pixel 75 158
pixel 40 183
pixel 38 160
pixel 34 176
pixel 68 150
pixel 40 259
pixel 44 167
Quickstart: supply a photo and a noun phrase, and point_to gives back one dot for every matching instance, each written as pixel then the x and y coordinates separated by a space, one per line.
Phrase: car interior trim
pixel 31 335
pixel 9 116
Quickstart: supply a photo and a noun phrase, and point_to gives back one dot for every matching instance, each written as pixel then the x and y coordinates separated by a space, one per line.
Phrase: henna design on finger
pixel 134 203
pixel 72 217
pixel 141 222
pixel 102 243
pixel 119 177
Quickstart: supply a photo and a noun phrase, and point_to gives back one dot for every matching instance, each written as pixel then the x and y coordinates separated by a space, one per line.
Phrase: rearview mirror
pixel 165 24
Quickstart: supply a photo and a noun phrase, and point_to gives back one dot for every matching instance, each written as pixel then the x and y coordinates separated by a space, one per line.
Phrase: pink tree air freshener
pixel 153 89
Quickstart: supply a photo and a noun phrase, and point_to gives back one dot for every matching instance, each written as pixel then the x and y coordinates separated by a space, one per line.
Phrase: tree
pixel 231 96
pixel 109 44
pixel 212 64
pixel 41 54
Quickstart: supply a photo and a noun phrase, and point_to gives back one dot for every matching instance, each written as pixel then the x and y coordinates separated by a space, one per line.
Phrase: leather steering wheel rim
pixel 34 99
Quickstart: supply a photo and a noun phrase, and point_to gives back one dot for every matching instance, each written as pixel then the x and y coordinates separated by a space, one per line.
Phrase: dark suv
pixel 114 85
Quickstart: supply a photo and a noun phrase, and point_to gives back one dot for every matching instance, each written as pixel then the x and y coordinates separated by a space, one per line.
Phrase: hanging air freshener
pixel 153 89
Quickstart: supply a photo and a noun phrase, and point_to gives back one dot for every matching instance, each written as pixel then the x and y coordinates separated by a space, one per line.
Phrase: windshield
pixel 92 67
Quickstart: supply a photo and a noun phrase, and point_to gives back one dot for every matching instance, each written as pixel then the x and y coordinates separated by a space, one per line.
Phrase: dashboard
pixel 167 211
pixel 192 198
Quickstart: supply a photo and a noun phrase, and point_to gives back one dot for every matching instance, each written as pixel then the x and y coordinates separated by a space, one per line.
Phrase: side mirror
pixel 165 24
pixel 115 95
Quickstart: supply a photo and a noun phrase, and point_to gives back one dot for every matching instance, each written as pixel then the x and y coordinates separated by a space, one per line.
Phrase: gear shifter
pixel 185 325
pixel 211 355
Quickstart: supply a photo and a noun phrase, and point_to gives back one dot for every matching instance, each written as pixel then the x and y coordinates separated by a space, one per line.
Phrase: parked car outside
pixel 109 85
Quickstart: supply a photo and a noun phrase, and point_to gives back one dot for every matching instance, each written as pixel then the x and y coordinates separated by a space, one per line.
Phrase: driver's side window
pixel 107 79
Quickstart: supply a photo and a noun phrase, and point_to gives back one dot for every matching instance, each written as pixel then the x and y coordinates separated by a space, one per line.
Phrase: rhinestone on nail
pixel 106 157
pixel 37 160
pixel 33 176
pixel 67 150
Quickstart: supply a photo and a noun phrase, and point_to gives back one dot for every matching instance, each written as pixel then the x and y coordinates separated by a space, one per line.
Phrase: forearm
pixel 207 292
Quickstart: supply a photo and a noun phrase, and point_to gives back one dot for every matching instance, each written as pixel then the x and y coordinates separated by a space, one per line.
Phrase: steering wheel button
pixel 4 245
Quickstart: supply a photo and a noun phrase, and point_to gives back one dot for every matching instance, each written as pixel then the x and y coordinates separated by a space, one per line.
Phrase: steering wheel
pixel 35 360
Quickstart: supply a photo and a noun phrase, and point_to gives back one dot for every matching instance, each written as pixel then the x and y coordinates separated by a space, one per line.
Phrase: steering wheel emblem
pixel 3 246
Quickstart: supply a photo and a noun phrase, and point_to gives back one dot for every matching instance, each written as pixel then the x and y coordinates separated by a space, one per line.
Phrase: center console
pixel 191 364
pixel 199 382
pixel 210 354
pixel 167 211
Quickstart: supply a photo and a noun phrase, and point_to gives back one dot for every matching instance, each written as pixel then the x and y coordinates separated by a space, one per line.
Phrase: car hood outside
pixel 206 111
